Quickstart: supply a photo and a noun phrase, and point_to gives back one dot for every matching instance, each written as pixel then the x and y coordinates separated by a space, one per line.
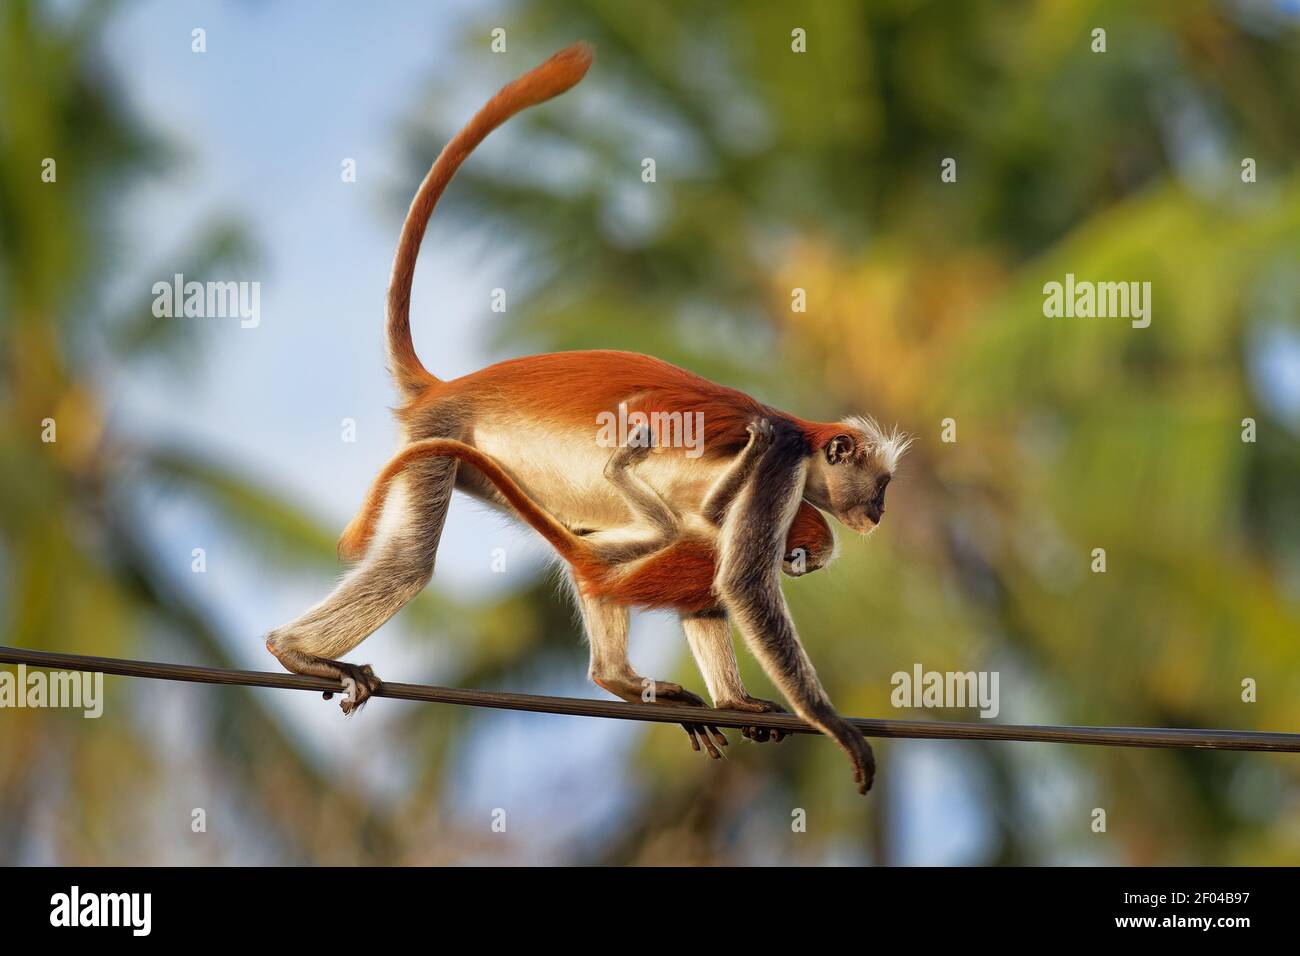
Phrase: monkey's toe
pixel 665 692
pixel 359 685
pixel 708 733
pixel 703 730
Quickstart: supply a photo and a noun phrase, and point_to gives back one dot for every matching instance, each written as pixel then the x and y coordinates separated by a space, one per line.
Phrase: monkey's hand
pixel 760 435
pixel 756 705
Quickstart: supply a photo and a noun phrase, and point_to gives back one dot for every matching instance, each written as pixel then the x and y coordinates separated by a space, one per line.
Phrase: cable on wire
pixel 1175 737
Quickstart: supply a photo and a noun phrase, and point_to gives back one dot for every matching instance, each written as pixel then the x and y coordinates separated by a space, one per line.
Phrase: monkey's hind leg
pixel 606 626
pixel 396 568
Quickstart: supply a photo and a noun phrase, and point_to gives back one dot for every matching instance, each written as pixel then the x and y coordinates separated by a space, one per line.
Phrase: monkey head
pixel 849 473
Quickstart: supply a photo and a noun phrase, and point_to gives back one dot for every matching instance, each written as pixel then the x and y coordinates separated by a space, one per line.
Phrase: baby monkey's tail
pixel 361 529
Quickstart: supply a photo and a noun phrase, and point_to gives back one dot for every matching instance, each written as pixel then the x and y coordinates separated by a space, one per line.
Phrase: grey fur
pixel 753 539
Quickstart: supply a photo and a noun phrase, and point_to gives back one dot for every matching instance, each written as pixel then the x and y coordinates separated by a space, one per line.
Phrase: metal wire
pixel 674 713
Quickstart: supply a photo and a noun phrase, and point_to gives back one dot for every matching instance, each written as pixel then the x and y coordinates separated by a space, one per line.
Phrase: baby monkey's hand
pixel 760 435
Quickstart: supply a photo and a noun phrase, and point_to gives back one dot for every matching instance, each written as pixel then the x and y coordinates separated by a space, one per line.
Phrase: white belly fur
pixel 563 470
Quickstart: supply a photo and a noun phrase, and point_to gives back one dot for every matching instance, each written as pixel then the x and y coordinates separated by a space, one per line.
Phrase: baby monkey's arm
pixel 644 501
pixel 728 485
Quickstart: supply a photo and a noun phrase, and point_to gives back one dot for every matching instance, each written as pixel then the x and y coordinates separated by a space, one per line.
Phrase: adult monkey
pixel 671 564
pixel 537 416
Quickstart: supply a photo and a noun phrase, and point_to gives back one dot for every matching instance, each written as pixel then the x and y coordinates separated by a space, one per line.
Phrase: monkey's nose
pixel 875 511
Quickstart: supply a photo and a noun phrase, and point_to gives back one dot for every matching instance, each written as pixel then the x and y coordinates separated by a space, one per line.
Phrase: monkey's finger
pixel 719 736
pixel 714 753
pixel 690 732
pixel 708 744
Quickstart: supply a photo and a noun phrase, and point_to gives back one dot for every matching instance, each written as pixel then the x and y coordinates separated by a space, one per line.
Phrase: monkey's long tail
pixel 552 78
pixel 361 529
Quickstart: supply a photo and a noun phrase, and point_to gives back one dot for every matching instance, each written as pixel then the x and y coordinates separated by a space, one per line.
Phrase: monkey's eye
pixel 839 449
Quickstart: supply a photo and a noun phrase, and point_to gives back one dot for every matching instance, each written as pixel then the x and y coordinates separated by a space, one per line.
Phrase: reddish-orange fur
pixel 573 388
pixel 811 531
pixel 569 388
pixel 552 78
pixel 677 576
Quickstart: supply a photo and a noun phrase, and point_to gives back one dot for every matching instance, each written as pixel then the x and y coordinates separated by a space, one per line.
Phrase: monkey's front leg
pixel 752 542
pixel 606 625
pixel 709 635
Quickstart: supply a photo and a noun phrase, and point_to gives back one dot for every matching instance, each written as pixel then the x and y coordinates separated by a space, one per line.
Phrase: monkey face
pixel 849 475
pixel 856 495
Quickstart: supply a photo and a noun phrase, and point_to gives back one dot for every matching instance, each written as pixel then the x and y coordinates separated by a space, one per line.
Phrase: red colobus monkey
pixel 537 417
pixel 670 563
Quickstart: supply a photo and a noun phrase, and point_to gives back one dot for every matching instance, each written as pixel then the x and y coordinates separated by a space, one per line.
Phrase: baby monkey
pixel 669 562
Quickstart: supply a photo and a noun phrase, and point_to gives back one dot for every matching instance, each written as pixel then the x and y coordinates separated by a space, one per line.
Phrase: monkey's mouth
pixel 864 518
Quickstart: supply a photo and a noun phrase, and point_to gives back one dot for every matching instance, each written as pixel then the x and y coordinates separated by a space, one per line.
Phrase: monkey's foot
pixel 676 694
pixel 359 681
pixel 637 690
pixel 756 705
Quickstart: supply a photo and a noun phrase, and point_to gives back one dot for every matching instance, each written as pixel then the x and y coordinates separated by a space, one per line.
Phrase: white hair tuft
pixel 886 447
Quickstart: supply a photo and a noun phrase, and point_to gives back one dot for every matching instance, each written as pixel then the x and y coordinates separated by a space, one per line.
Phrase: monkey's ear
pixel 839 448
